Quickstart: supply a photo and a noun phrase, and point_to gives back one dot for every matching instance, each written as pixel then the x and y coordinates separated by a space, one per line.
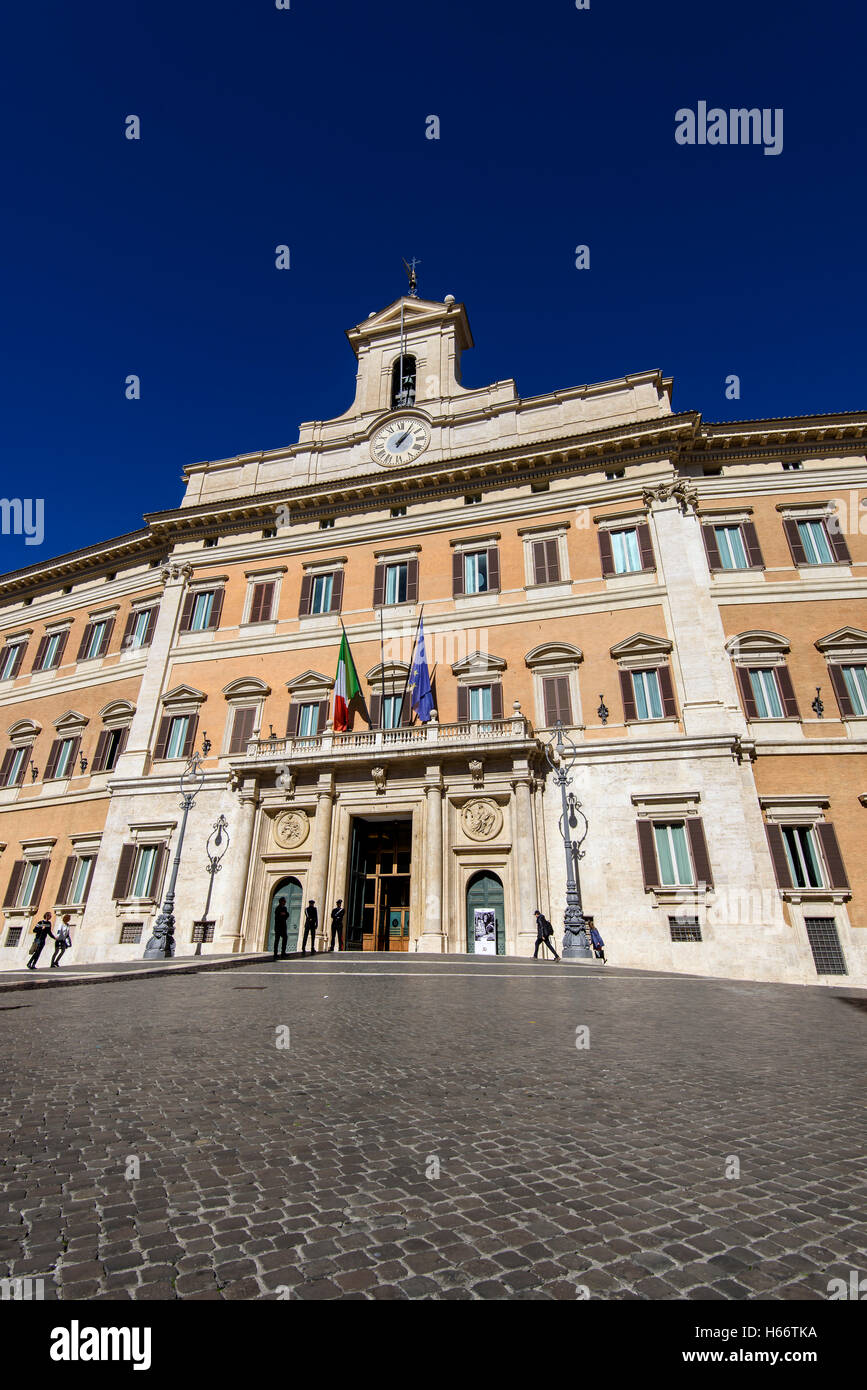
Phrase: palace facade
pixel 687 599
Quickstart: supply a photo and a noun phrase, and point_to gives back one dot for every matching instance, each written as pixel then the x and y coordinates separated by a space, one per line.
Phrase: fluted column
pixel 432 938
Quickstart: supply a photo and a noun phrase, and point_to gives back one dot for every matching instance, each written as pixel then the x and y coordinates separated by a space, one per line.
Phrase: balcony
pixel 414 741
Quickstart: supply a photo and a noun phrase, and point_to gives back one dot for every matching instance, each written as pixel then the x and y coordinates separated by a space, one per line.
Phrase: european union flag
pixel 420 694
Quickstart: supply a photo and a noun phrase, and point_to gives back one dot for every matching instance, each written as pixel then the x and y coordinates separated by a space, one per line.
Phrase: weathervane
pixel 413 278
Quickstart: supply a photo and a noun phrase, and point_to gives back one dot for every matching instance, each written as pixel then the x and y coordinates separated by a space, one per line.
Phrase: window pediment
pixel 246 688
pixel 117 714
pixel 641 646
pixel 311 683
pixel 554 654
pixel 757 646
pixel 388 671
pixel 71 723
pixel 183 695
pixel 846 644
pixel 23 732
pixel 479 664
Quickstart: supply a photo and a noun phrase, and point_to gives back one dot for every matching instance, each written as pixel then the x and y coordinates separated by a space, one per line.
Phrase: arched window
pixel 403 383
pixel 486 926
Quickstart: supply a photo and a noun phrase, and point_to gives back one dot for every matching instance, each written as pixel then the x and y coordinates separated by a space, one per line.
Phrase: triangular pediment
pixel 417 313
pixel 641 644
pixel 479 664
pixel 71 722
pixel 851 640
pixel 309 681
pixel 181 693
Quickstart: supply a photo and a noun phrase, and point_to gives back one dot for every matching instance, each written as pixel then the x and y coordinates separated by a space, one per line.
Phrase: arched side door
pixel 485 895
pixel 290 889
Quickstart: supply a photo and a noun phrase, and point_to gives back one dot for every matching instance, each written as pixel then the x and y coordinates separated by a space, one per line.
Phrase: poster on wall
pixel 485 924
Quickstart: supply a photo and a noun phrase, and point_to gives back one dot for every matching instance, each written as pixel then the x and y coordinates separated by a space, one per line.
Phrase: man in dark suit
pixel 337 925
pixel 281 921
pixel 41 932
pixel 544 935
pixel 311 923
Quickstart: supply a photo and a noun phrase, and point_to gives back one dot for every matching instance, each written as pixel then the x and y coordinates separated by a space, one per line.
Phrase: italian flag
pixel 346 686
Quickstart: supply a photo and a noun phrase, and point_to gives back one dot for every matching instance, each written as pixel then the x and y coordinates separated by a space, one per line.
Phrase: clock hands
pixel 401 439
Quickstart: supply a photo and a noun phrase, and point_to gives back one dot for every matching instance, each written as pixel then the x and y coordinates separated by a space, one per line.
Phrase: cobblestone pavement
pixel 310 1172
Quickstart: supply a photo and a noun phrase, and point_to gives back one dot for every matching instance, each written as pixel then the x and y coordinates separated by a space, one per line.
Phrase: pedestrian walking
pixel 63 940
pixel 598 944
pixel 281 927
pixel 337 924
pixel 41 932
pixel 544 935
pixel 311 923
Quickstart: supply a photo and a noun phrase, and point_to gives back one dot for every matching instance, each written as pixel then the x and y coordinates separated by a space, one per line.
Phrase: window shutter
pixel 162 742
pixel 85 638
pixel 606 553
pixel 106 637
pixel 540 563
pixel 496 700
pixel 379 586
pixel 493 568
pixel 38 886
pixel 40 654
pixel 457 574
pixel 23 768
pixel 17 660
pixel 101 750
pixel 121 743
pixel 88 880
pixel 256 604
pixel 216 609
pixel 337 592
pixel 124 872
pixel 14 883
pixel 159 872
pixel 262 603
pixel 645 546
pixel 187 611
pixel 374 709
pixel 627 693
pixel 787 693
pixel 549 692
pixel 747 696
pixel 779 858
pixel 323 716
pixel 838 680
pixel 839 546
pixel 698 847
pixel 755 558
pixel 833 858
pixel 406 707
pixel 73 757
pixel 666 690
pixel 53 756
pixel 190 740
pixel 128 629
pixel 412 581
pixel 647 851
pixel 558 702
pixel 793 536
pixel 152 622
pixel 66 879
pixel 552 551
pixel 61 648
pixel 306 596
pixel 463 704
pixel 708 535
pixel 292 721
pixel 242 728
pixel 6 766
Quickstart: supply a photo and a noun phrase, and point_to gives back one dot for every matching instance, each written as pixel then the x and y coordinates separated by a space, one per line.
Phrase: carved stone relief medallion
pixel 291 829
pixel 482 819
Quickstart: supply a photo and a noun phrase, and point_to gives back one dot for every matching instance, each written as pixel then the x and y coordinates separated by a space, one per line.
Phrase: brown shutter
pixel 216 609
pixel 106 637
pixel 666 690
pixel 755 558
pixel 627 693
pixel 787 692
pixel 698 848
pixel 647 851
pixel 159 872
pixel 90 868
pixel 540 563
pixel 85 638
pixel 40 654
pixel 606 553
pixel 337 592
pixel 163 732
pixel 779 858
pixel 833 858
pixel 747 696
pixel 41 875
pixel 256 603
pixel 558 703
pixel 496 700
pixel 463 704
pixel 793 536
pixel 306 595
pixel 242 728
pixel 457 574
pixel 292 721
pixel 18 658
pixel 121 743
pixel 708 535
pixel 406 715
pixel 64 638
pixel 493 568
pixel 412 581
pixel 839 547
pixel 152 622
pixel 262 603
pixel 645 546
pixel 128 629
pixel 187 611
pixel 124 872
pixel 73 756
pixel 838 680
pixel 374 709
pixel 190 740
pixel 66 879
pixel 28 754
pixel 14 883
pixel 379 586
pixel 549 692
pixel 323 716
pixel 53 757
pixel 6 766
pixel 101 750
pixel 552 552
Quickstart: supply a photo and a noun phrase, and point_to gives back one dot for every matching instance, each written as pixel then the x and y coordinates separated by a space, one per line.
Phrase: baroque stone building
pixel 687 598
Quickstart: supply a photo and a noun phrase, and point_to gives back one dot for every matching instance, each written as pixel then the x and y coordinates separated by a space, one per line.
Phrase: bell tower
pixel 409 354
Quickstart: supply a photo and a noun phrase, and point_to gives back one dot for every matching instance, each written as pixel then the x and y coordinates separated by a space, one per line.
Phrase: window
pixel 540 487
pixel 476 572
pixel 11 659
pixel 49 653
pixel 790 465
pixel 398 511
pixel 109 746
pixel 95 639
pixel 130 933
pixel 403 381
pixel 684 928
pixel 143 873
pixel 209 542
pixel 730 544
pixel 613 474
pixel 139 628
pixel 202 608
pixel 672 855
pixel 557 699
pixel 321 593
pixel 803 861
pixel 395 581
pixel 201 611
pixel 766 694
pixel 25 883
pixel 29 880
pixel 480 702
pixel 14 765
pixel 243 722
pixel 60 759
pixel 140 871
pixel 626 550
pixel 816 541
pixel 648 700
pixel 624 546
pixel 855 678
pixel 176 736
pixel 308 719
pixel 75 880
pixel 323 586
pixel 13 936
pixel 648 693
pixel 262 602
pixel 825 945
pixel 390 711
pixel 268 533
pixel 472 499
pixel 326 523
pixel 546 561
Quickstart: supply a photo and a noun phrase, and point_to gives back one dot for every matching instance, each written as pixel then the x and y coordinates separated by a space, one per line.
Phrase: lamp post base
pixel 161 945
pixel 576 936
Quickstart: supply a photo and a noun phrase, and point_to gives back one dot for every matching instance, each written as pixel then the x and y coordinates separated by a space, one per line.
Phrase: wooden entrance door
pixel 381 881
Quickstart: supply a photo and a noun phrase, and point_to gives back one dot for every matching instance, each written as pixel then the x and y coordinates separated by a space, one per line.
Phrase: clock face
pixel 401 440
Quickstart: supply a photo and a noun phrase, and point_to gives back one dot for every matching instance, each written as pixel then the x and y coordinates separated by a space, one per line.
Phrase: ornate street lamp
pixel 562 755
pixel 162 943
pixel 215 848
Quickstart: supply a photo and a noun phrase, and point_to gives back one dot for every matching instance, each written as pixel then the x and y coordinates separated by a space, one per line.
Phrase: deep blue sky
pixel 307 127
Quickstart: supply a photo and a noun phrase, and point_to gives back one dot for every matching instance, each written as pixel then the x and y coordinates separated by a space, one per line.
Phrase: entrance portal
pixel 379 879
pixel 485 915
pixel 290 889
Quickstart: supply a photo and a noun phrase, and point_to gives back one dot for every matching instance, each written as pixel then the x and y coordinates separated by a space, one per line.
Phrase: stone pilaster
pixel 317 882
pixel 134 760
pixel 525 849
pixel 236 871
pixel 432 938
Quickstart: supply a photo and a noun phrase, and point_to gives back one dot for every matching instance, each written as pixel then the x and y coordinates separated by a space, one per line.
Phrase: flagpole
pixel 411 659
pixel 381 670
